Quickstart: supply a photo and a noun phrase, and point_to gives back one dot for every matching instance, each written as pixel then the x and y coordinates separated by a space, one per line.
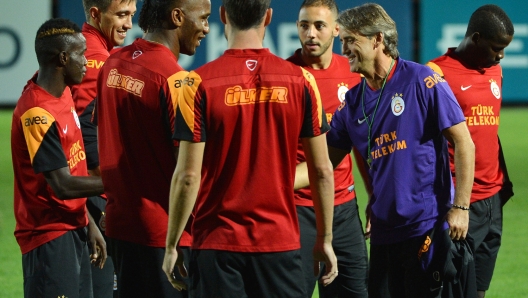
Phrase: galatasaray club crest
pixel 397 104
pixel 76 118
pixel 495 89
pixel 342 88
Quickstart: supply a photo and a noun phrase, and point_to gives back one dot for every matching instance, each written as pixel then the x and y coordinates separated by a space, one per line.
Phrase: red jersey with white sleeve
pixel 135 118
pixel 250 116
pixel 333 83
pixel 479 93
pixel 45 136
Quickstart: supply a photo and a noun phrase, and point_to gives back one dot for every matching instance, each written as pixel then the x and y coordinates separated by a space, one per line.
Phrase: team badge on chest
pixel 495 89
pixel 342 89
pixel 397 104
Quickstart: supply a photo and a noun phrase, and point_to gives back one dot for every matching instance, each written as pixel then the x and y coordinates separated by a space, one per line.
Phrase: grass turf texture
pixel 510 273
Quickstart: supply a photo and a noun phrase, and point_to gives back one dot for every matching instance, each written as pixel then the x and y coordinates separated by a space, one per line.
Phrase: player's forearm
pixel 323 198
pixel 182 197
pixel 66 186
pixel 321 176
pixel 464 169
pixel 184 188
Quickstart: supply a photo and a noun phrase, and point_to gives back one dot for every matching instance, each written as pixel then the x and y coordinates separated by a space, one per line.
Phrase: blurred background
pixel 426 29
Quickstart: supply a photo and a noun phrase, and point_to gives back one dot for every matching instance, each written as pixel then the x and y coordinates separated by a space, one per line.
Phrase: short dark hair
pixel 490 21
pixel 101 4
pixel 330 4
pixel 53 37
pixel 155 13
pixel 246 14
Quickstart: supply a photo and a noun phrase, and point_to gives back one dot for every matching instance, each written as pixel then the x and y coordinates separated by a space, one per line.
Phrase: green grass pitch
pixel 510 276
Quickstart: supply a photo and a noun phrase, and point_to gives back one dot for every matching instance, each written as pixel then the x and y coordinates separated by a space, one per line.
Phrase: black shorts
pixel 139 270
pixel 215 273
pixel 59 268
pixel 349 246
pixel 397 265
pixel 485 227
pixel 102 279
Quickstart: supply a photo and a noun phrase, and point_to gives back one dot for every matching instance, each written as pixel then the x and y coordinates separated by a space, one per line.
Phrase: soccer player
pixel 399 118
pixel 135 116
pixel 317 29
pixel 107 22
pixel 473 72
pixel 51 178
pixel 239 127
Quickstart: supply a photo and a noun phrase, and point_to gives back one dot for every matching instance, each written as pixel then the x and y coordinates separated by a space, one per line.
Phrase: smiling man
pixel 473 72
pixel 135 115
pixel 317 30
pixel 107 22
pixel 399 118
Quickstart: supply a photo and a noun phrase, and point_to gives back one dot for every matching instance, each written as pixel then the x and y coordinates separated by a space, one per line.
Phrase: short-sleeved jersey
pixel 410 173
pixel 135 117
pixel 333 82
pixel 479 94
pixel 250 116
pixel 45 136
pixel 97 51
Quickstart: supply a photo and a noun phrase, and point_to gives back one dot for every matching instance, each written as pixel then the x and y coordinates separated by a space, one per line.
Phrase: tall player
pixel 51 178
pixel 239 127
pixel 107 22
pixel 473 72
pixel 135 111
pixel 317 29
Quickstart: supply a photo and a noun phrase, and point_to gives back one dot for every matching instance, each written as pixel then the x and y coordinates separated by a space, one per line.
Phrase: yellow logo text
pixel 387 143
pixel 431 81
pixel 482 115
pixel 238 96
pixel 76 154
pixel 129 84
pixel 94 64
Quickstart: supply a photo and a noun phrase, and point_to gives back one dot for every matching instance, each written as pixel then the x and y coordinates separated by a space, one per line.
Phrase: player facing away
pixel 51 178
pixel 474 74
pixel 107 22
pixel 135 115
pixel 238 128
pixel 317 30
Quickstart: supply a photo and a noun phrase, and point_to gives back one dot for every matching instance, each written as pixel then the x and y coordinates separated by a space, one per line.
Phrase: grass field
pixel 510 273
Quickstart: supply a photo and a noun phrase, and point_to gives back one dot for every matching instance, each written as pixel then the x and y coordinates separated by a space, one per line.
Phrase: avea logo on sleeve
pixel 238 96
pixel 127 83
pixel 36 120
pixel 92 63
pixel 432 80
